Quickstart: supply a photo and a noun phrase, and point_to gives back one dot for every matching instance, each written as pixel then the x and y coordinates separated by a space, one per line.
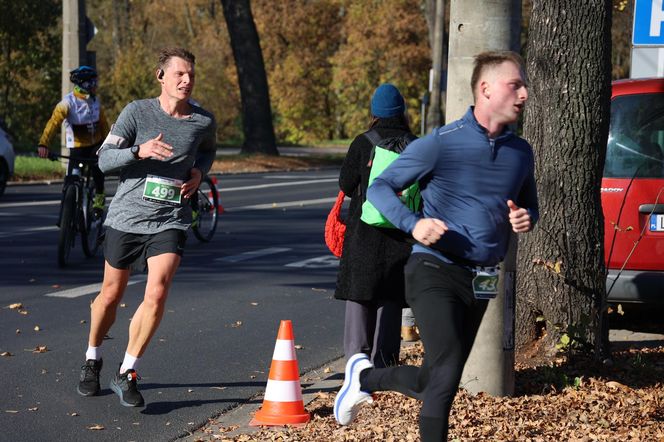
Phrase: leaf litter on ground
pixel 571 400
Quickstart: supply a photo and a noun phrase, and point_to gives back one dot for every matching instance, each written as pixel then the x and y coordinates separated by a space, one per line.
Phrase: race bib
pixel 162 190
pixel 485 283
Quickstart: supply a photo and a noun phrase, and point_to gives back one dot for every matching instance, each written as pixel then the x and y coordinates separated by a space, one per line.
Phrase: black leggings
pixel 87 153
pixel 448 317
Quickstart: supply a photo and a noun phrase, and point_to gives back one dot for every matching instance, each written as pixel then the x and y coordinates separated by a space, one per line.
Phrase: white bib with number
pixel 162 190
pixel 485 283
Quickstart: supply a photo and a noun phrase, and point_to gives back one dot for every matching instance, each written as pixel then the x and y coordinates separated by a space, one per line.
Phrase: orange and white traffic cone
pixel 282 404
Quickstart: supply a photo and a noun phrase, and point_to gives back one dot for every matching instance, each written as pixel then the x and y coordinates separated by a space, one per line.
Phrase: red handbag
pixel 335 227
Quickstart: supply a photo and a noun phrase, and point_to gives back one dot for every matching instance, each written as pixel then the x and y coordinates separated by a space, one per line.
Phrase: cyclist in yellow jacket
pixel 85 125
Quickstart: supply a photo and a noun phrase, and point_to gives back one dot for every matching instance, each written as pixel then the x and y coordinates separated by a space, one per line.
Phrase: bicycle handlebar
pixel 55 156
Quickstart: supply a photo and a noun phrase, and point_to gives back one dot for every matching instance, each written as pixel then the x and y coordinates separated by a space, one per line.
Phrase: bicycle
pixel 77 215
pixel 205 209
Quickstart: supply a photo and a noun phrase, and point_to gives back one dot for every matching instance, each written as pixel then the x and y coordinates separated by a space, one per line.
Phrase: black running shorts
pixel 130 250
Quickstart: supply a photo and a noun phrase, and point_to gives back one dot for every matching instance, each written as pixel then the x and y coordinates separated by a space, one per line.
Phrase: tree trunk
pixel 561 274
pixel 256 114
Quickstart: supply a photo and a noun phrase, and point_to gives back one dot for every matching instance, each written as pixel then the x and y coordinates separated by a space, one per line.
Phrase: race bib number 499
pixel 162 190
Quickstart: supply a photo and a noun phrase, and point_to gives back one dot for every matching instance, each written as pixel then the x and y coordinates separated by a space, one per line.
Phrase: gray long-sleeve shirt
pixel 193 141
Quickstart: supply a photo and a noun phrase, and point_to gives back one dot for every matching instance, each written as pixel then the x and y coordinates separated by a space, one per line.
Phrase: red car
pixel 633 192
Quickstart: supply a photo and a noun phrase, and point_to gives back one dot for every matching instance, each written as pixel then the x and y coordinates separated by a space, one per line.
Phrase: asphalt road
pixel 213 350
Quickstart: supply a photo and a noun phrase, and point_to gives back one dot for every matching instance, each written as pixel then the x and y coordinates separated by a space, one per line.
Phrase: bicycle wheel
pixel 67 226
pixel 91 225
pixel 205 204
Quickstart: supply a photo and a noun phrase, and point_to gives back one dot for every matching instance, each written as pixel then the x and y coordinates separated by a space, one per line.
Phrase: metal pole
pixel 477 26
pixel 435 117
pixel 74 38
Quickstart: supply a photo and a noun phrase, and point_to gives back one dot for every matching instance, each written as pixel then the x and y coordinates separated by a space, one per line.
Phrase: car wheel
pixel 4 175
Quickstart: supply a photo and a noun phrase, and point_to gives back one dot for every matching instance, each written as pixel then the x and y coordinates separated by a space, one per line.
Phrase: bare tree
pixel 256 113
pixel 561 274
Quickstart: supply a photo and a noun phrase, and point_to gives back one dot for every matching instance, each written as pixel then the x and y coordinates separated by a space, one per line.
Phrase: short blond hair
pixel 490 59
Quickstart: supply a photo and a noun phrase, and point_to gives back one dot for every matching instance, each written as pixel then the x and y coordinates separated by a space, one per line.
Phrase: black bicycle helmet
pixel 82 75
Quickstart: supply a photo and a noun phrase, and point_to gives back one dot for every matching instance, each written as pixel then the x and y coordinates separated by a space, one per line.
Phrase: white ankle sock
pixel 129 363
pixel 93 353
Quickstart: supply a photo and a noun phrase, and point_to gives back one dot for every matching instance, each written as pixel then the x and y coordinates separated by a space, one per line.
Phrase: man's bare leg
pixel 105 305
pixel 102 317
pixel 161 269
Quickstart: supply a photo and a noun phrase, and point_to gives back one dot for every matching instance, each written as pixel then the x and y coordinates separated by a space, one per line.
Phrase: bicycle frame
pixel 75 210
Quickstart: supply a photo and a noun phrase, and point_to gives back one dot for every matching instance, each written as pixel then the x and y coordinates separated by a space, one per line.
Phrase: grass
pixel 34 168
pixel 28 168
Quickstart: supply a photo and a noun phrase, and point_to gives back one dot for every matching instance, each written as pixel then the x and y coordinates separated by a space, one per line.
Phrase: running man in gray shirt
pixel 161 147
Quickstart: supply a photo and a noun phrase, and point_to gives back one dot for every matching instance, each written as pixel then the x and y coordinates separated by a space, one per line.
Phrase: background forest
pixel 323 59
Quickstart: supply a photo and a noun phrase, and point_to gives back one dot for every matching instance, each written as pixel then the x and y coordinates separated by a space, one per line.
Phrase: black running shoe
pixel 124 385
pixel 89 380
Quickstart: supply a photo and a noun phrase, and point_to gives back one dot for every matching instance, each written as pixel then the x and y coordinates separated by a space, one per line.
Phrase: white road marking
pixel 281 205
pixel 30 203
pixel 290 177
pixel 89 289
pixel 265 186
pixel 253 254
pixel 28 231
pixel 319 262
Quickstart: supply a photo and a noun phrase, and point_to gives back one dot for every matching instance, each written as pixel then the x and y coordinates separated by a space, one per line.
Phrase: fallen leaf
pixel 37 328
pixel 11 411
pixel 16 305
pixel 190 390
pixel 614 384
pixel 96 427
pixel 56 286
pixel 23 312
pixel 236 324
pixel 38 349
pixel 218 388
pixel 123 305
pixel 18 331
pixel 74 414
pixel 33 409
pixel 254 303
pixel 253 376
pixel 83 321
pixel 327 370
pixel 5 353
pixel 299 347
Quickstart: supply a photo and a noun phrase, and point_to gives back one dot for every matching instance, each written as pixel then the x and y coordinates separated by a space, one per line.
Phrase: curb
pixel 313 382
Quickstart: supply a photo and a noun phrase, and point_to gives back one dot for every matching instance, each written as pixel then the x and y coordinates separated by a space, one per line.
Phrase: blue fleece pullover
pixel 466 179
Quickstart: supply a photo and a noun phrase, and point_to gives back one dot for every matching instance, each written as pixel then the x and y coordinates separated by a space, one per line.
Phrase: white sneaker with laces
pixel 350 397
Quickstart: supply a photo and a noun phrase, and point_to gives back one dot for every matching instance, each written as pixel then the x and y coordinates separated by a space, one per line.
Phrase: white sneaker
pixel 350 397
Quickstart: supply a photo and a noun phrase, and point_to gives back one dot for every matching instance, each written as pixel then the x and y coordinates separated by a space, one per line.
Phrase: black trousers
pixel 448 317
pixel 85 153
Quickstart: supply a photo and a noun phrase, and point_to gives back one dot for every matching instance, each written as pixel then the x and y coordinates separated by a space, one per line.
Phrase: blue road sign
pixel 648 23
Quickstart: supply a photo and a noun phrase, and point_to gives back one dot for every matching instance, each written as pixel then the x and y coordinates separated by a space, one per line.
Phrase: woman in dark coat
pixel 370 277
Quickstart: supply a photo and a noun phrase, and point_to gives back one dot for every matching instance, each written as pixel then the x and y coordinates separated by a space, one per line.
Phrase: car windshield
pixel 636 137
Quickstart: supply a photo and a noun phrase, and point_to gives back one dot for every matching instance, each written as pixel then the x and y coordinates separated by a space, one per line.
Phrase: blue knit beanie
pixel 387 102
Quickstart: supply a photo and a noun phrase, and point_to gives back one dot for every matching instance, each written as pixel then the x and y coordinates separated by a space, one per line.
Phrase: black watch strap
pixel 135 149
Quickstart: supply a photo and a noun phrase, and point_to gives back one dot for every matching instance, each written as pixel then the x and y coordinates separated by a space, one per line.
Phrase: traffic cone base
pixel 282 404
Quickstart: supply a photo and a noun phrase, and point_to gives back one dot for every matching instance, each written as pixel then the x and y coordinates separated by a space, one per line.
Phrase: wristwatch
pixel 134 150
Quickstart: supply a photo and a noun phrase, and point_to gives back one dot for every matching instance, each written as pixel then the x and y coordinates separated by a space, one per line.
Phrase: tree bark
pixel 256 114
pixel 561 274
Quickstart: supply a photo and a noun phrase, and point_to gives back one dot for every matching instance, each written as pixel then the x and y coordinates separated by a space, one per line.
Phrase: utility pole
pixel 477 26
pixel 74 39
pixel 77 31
pixel 435 117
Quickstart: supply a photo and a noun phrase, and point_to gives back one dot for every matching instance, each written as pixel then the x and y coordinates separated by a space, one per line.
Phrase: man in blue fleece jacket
pixel 477 183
